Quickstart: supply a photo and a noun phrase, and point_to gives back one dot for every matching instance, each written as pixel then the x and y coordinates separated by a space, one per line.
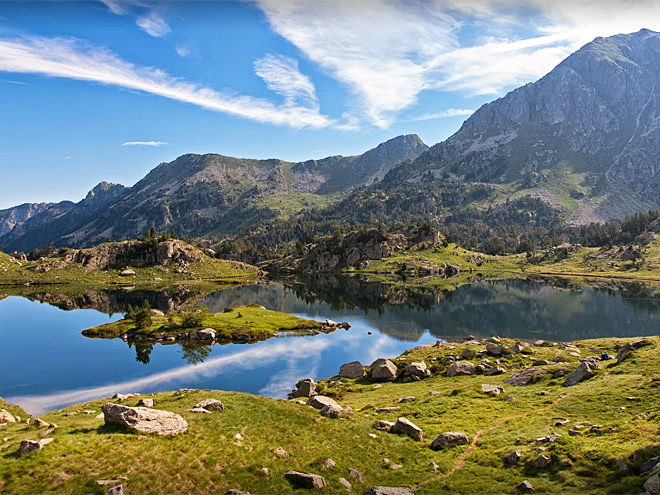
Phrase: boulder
pixel 304 388
pixel 418 369
pixel 306 480
pixel 652 485
pixel 320 401
pixel 494 349
pixel 29 446
pixel 127 273
pixel 649 465
pixel 332 411
pixel 39 423
pixel 330 323
pixel 629 347
pixel 352 370
pixel 345 484
pixel 495 370
pixel 198 410
pixel 385 425
pixel 280 452
pixel 115 490
pixel 514 457
pixel 206 334
pixel 461 368
pixel 329 463
pixel 492 389
pixel 355 474
pixel 585 370
pixel 147 402
pixel 388 490
pixel 6 417
pixel 542 462
pixel 383 369
pixel 157 312
pixel 525 487
pixel 449 438
pixel 621 464
pixel 210 405
pixel 516 348
pixel 234 491
pixel 144 420
pixel 467 354
pixel 406 427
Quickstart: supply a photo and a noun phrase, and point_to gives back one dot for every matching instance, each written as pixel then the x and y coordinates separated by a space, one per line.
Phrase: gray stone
pixel 492 389
pixel 116 490
pixel 541 362
pixel 352 370
pixel 461 368
pixel 494 349
pixel 629 347
pixel 210 405
pixel 541 462
pixel 306 480
pixel 387 409
pixel 649 465
pixel 147 402
pixel 385 425
pixel 157 312
pixel 621 464
pixel 376 387
pixel 345 484
pixel 233 491
pixel 585 370
pixel 449 438
pixel 467 354
pixel 516 348
pixel 206 334
pixel 305 388
pixel 39 423
pixel 406 399
pixel 406 427
pixel 127 273
pixel 329 463
pixel 652 485
pixel 356 475
pixel 144 420
pixel 418 369
pixel 320 401
pixel 525 487
pixel 514 457
pixel 330 323
pixel 332 411
pixel 280 452
pixel 198 410
pixel 388 490
pixel 495 370
pixel 29 446
pixel 6 417
pixel 383 369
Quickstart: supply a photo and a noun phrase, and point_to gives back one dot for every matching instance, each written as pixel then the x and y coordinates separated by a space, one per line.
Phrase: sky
pixel 107 90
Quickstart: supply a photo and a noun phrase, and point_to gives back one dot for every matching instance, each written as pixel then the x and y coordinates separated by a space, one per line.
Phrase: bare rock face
pixel 586 370
pixel 406 427
pixel 449 438
pixel 351 370
pixel 144 420
pixel 461 368
pixel 306 480
pixel 383 369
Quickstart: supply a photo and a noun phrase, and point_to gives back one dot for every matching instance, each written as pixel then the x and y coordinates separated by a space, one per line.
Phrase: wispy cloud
pixel 387 52
pixel 148 15
pixel 450 112
pixel 9 81
pixel 145 143
pixel 182 51
pixel 75 59
pixel 282 76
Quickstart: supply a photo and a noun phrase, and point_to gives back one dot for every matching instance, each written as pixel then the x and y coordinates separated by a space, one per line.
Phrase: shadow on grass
pixel 108 429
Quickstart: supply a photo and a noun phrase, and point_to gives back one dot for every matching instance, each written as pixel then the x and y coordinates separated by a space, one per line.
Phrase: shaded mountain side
pixel 198 195
pixel 597 114
pixel 44 229
pixel 11 217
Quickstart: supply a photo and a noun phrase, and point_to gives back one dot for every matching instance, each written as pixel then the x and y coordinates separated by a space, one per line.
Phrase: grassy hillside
pixel 612 415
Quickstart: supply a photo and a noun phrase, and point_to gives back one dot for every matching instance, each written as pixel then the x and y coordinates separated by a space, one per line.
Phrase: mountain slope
pixel 11 217
pixel 597 115
pixel 198 195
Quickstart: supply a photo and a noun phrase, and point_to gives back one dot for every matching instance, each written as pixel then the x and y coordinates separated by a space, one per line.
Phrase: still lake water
pixel 46 364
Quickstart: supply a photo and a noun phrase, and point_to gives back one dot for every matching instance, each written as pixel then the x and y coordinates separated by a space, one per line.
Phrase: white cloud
pixel 73 59
pixel 387 52
pixel 8 81
pixel 182 51
pixel 147 14
pixel 450 112
pixel 145 143
pixel 282 76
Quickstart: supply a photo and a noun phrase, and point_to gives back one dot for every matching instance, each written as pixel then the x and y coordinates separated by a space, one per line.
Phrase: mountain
pixel 199 195
pixel 585 137
pixel 12 217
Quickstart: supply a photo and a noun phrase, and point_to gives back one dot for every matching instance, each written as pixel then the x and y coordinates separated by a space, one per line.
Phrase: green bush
pixel 194 318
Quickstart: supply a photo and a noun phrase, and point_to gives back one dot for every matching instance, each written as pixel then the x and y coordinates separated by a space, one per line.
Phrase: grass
pixel 208 459
pixel 252 321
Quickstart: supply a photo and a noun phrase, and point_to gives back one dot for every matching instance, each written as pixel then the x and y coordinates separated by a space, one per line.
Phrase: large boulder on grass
pixel 406 427
pixel 351 370
pixel 144 420
pixel 449 438
pixel 321 401
pixel 461 368
pixel 388 490
pixel 383 369
pixel 306 480
pixel 586 370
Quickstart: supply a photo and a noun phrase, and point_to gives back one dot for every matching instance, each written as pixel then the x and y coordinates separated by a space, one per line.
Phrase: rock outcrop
pixel 144 420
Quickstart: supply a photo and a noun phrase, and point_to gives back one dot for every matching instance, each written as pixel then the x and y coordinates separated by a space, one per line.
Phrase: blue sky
pixel 93 91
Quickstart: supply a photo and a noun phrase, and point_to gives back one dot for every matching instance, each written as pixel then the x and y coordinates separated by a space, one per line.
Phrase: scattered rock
pixel 574 433
pixel 6 417
pixel 330 323
pixel 39 423
pixel 280 452
pixel 127 273
pixel 70 414
pixel 541 362
pixel 434 466
pixel 652 485
pixel 116 490
pixel 406 399
pixel 492 389
pixel 46 433
pixel 494 349
pixel 144 420
pixel 123 397
pixel 629 347
pixel 396 466
pixel 377 386
pixel 304 388
pixel 332 411
pixel 585 370
pixel 385 425
pixel 449 438
pixel 206 334
pixel 210 405
pixel 467 354
pixel 516 348
pixel 387 409
pixel 199 410
pixel 345 484
pixel 182 391
pixel 157 312
pixel 146 403
pixel 431 394
pixel 352 370
pixel 525 486
pixel 621 464
pixel 418 369
pixel 306 480
pixel 233 491
pixel 320 401
pixel 495 370
pixel 373 435
pixel 542 392
pixel 461 368
pixel 383 369
pixel 648 466
pixel 356 475
pixel 29 446
pixel 238 437
pixel 522 378
pixel 388 490
pixel 118 479
pixel 329 463
pixel 406 427
pixel 514 457
pixel 541 462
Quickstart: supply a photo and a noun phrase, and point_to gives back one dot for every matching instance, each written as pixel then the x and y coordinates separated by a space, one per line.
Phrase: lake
pixel 46 364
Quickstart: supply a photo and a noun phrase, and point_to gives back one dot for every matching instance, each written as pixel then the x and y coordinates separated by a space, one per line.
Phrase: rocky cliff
pixel 12 217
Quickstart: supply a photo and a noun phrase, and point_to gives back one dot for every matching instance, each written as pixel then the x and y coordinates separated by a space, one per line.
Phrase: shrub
pixel 195 317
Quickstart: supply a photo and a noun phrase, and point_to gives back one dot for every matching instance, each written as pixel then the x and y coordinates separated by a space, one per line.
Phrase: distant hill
pixel 199 195
pixel 12 217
